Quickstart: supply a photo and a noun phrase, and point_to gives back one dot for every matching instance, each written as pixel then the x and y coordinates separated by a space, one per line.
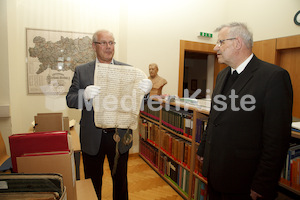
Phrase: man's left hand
pixel 254 195
pixel 145 85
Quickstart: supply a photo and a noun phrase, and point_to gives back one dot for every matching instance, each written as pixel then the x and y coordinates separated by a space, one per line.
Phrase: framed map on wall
pixel 52 57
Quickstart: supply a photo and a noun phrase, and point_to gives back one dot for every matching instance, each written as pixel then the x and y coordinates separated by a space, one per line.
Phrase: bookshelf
pixel 290 176
pixel 169 138
pixel 156 130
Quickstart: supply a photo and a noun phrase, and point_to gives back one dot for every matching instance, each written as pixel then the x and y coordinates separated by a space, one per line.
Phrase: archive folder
pixel 21 144
pixel 32 186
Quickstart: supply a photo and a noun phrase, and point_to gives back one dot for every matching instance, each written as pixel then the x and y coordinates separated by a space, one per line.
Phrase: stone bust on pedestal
pixel 157 81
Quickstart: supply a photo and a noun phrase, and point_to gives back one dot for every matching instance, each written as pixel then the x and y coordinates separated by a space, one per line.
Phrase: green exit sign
pixel 203 34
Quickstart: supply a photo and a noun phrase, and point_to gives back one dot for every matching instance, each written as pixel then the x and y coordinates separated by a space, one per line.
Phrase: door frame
pixel 198 47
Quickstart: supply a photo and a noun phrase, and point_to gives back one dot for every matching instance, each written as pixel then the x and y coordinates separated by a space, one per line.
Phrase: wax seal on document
pixel 116 138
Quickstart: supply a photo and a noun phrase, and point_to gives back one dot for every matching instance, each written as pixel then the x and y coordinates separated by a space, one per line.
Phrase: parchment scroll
pixel 119 101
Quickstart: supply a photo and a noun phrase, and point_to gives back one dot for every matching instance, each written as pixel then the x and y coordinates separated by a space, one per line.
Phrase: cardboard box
pixel 51 122
pixel 52 162
pixel 37 142
pixel 85 190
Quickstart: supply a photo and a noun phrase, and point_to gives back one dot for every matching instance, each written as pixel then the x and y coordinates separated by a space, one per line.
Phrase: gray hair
pixel 239 29
pixel 95 36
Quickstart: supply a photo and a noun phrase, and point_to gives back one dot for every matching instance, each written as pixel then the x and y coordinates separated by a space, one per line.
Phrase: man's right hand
pixel 91 91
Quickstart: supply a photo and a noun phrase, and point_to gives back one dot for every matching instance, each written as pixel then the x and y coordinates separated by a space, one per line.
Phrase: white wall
pixel 5 122
pixel 145 32
pixel 156 27
pixel 267 18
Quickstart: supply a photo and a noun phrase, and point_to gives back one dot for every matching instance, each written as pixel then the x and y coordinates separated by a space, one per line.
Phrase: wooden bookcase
pixel 288 183
pixel 157 119
pixel 158 155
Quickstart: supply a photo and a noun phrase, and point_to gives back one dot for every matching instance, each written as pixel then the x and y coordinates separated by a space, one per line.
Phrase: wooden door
pixel 288 57
pixel 265 50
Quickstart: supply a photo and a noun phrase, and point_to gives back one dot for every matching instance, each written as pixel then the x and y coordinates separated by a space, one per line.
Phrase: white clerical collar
pixel 242 66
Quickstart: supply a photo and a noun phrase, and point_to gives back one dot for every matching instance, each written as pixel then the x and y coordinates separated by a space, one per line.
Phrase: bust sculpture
pixel 157 82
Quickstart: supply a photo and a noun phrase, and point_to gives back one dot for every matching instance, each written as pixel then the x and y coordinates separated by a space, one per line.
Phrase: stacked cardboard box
pixel 38 142
pixel 46 152
pixel 53 162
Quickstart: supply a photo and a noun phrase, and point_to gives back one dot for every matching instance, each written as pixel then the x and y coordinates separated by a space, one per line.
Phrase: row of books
pixel 176 147
pixel 180 177
pixel 198 166
pixel 149 131
pixel 201 124
pixel 172 145
pixel 291 171
pixel 149 152
pixel 152 111
pixel 171 118
pixel 168 148
pixel 180 121
pixel 168 167
pixel 143 128
pixel 175 173
pixel 199 190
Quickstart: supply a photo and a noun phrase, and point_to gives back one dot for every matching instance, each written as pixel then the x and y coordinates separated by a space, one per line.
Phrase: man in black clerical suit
pixel 246 140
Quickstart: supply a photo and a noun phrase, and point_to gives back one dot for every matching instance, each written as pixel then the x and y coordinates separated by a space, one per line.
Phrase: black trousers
pixel 93 167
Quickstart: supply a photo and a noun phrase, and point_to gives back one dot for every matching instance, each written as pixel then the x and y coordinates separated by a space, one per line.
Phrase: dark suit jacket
pixel 90 135
pixel 246 150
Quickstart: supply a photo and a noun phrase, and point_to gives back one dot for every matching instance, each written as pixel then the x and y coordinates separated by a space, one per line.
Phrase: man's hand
pixel 200 159
pixel 145 85
pixel 254 195
pixel 91 91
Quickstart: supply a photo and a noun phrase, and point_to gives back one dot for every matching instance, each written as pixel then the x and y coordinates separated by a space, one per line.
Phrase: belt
pixel 108 130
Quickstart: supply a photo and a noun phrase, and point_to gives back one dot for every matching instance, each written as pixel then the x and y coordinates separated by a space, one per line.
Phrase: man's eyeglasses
pixel 104 43
pixel 221 42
